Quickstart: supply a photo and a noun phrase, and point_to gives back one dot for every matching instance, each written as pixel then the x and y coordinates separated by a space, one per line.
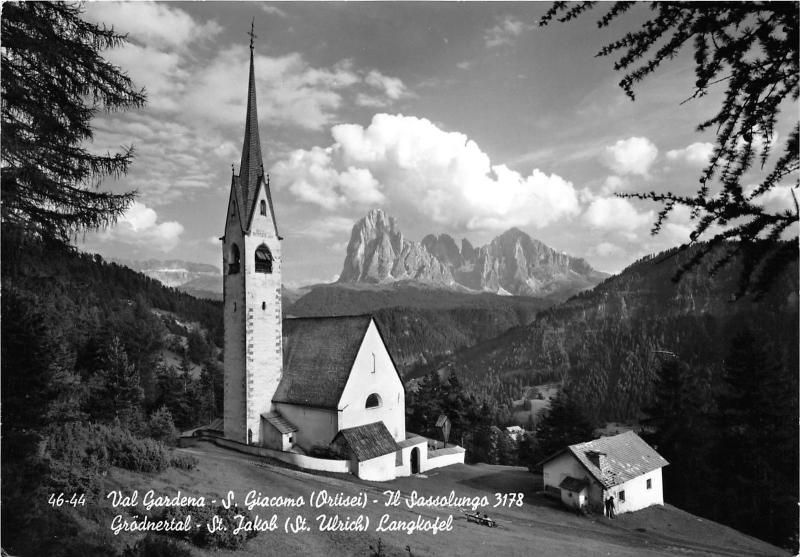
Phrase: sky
pixel 458 118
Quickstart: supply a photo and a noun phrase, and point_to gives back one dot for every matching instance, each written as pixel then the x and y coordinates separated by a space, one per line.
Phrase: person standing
pixel 610 506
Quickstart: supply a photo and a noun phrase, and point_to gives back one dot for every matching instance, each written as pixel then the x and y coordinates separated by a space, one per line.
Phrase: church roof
pixel 251 168
pixel 279 422
pixel 318 355
pixel 369 441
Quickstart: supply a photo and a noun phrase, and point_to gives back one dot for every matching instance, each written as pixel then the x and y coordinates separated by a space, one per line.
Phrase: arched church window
pixel 263 207
pixel 373 401
pixel 263 259
pixel 249 436
pixel 233 266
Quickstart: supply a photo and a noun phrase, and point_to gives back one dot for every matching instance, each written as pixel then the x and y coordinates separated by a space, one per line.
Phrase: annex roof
pixel 369 441
pixel 627 456
pixel 279 422
pixel 318 355
pixel 574 485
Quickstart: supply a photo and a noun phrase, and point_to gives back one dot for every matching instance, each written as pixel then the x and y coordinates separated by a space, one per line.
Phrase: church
pixel 323 392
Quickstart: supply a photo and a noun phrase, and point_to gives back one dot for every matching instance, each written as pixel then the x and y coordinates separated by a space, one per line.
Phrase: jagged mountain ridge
pixel 513 263
pixel 201 280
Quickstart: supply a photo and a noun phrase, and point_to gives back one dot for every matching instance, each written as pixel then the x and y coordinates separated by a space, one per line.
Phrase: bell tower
pixel 251 262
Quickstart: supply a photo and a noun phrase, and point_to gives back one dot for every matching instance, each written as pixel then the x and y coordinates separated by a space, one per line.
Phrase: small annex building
pixel 623 466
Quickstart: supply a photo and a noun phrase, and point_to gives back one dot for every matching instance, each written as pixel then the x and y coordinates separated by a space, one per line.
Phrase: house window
pixel 622 496
pixel 649 483
pixel 263 259
pixel 233 266
pixel 373 401
pixel 263 207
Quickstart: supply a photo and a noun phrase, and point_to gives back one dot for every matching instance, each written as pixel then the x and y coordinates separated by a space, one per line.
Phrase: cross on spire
pixel 252 32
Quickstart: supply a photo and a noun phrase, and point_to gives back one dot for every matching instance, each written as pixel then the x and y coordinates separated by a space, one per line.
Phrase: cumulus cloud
pixel 153 24
pixel 614 184
pixel 634 155
pixel 697 154
pixel 392 87
pixel 139 226
pixel 314 178
pixel 162 56
pixel 507 29
pixel 606 249
pixel 443 175
pixel 774 200
pixel 614 213
pixel 274 10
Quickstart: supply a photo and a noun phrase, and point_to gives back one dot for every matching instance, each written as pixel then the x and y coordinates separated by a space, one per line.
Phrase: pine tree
pixel 753 48
pixel 758 448
pixel 119 395
pixel 54 82
pixel 682 418
pixel 565 424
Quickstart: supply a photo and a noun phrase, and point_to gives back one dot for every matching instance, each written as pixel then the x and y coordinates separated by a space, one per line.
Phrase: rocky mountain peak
pixel 378 253
pixel 512 263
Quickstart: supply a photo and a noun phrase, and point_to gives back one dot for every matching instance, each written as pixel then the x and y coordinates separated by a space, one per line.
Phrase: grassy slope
pixel 540 527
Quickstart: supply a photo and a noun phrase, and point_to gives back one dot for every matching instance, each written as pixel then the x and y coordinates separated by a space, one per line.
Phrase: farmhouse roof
pixel 574 485
pixel 369 441
pixel 318 354
pixel 627 456
pixel 279 422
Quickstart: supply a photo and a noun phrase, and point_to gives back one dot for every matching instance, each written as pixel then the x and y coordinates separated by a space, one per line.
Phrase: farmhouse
pixel 322 393
pixel 622 466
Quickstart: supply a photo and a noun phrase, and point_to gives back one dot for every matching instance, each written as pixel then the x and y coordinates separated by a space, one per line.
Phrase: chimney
pixel 598 459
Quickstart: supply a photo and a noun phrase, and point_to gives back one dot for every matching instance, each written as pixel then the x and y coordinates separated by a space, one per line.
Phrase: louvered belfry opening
pixel 263 259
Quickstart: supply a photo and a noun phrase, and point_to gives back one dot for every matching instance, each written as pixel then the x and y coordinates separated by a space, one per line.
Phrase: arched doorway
pixel 415 460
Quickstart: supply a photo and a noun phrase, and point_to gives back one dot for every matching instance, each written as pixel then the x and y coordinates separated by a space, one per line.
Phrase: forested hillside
pixel 713 379
pixel 609 342
pixel 84 382
pixel 422 324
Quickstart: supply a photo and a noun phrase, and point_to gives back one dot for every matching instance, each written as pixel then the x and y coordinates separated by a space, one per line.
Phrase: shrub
pixel 161 427
pixel 78 451
pixel 201 537
pixel 133 453
pixel 183 461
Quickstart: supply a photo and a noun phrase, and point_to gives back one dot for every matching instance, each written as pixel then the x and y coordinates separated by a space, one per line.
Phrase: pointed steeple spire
pixel 251 167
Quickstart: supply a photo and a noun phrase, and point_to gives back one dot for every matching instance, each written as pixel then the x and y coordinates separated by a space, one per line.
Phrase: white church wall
pixel 234 320
pixel 264 320
pixel 270 437
pixel 378 469
pixel 373 373
pixel 404 468
pixel 443 457
pixel 303 461
pixel 317 426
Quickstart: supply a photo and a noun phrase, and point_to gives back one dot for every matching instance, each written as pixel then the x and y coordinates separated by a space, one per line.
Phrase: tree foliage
pixel 753 48
pixel 565 424
pixel 54 83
